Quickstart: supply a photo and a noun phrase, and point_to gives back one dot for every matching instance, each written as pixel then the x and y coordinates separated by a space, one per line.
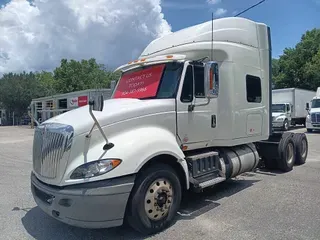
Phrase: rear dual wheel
pixel 293 149
pixel 301 143
pixel 287 152
pixel 155 199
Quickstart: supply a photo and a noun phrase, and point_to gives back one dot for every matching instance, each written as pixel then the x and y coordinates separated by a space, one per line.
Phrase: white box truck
pixel 313 118
pixel 192 111
pixel 289 107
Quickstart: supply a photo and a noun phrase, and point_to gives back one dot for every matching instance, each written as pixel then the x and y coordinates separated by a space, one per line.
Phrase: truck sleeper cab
pixel 178 120
pixel 313 118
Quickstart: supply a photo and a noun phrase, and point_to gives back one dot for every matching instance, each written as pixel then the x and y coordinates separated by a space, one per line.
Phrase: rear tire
pixel 155 199
pixel 301 143
pixel 286 152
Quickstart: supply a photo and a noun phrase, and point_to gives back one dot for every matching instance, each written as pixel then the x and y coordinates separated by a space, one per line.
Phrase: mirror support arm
pixel 96 123
pixel 192 106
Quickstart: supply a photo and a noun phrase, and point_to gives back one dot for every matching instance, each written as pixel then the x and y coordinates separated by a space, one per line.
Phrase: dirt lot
pixel 262 205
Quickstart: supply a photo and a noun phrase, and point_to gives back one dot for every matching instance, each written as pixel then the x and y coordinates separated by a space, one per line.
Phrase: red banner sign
pixel 140 84
pixel 82 101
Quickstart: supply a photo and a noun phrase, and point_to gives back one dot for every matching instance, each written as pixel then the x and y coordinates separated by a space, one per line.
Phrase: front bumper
pixel 277 124
pixel 99 204
pixel 315 126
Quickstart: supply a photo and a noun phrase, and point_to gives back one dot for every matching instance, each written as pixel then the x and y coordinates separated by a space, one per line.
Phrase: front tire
pixel 155 199
pixel 309 130
pixel 286 125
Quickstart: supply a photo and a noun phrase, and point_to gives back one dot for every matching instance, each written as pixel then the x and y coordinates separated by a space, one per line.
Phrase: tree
pixel 75 76
pixel 47 83
pixel 299 67
pixel 17 91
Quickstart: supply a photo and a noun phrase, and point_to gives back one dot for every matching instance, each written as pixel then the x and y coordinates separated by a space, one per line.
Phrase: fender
pixel 134 147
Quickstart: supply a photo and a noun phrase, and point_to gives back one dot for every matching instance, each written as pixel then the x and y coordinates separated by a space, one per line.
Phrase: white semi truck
pixel 192 111
pixel 288 107
pixel 313 118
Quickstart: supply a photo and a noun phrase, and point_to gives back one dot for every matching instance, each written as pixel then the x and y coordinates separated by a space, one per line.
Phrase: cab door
pixel 195 127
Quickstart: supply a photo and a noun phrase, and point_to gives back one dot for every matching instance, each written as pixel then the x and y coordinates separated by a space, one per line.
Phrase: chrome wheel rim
pixel 158 199
pixel 290 153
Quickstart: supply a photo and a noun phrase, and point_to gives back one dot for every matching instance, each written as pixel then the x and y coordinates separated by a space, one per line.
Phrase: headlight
pixel 96 168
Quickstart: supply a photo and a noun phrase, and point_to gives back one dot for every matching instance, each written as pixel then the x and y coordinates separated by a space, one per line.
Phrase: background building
pixel 48 107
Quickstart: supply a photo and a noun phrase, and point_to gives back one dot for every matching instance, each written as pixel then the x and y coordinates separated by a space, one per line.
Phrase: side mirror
pixel 97 103
pixel 113 85
pixel 211 79
pixel 211 84
pixel 307 106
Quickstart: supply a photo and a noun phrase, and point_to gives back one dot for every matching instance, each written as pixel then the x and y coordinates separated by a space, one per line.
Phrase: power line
pixel 249 8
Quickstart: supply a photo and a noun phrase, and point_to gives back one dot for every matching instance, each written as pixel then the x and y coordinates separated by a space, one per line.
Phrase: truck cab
pixel 189 113
pixel 313 118
pixel 281 115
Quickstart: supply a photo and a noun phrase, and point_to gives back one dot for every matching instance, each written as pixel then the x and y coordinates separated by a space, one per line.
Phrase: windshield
pixel 278 108
pixel 150 82
pixel 315 103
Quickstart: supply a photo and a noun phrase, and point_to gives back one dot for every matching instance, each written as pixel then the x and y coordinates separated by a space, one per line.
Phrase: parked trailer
pixel 289 107
pixel 193 111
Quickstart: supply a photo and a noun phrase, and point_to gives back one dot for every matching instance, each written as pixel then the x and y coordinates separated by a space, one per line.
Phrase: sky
pixel 36 36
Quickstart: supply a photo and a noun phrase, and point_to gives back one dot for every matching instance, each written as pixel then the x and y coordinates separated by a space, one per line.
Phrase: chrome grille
pixel 315 117
pixel 51 142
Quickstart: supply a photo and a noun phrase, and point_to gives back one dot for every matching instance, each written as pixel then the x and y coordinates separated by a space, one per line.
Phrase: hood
pixel 115 110
pixel 315 110
pixel 277 114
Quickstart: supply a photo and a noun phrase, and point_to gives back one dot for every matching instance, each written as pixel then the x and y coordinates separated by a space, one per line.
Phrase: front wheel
pixel 155 199
pixel 286 125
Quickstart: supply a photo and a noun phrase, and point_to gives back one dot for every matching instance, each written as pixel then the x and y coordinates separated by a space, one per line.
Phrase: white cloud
pixel 36 36
pixel 184 6
pixel 213 2
pixel 220 12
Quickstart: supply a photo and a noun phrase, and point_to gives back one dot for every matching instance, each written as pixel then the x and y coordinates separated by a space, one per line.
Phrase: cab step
pixel 204 169
pixel 212 182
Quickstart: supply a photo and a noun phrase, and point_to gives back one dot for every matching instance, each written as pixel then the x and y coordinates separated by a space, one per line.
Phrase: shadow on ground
pixel 42 227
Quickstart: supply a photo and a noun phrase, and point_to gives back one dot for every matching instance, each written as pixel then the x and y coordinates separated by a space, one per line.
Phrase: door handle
pixel 213 121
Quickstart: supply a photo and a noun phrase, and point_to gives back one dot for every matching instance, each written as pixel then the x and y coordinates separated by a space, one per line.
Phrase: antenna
pixel 211 37
pixel 249 8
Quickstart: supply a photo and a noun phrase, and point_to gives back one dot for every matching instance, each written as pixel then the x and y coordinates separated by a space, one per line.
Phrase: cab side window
pixel 253 89
pixel 187 89
pixel 199 81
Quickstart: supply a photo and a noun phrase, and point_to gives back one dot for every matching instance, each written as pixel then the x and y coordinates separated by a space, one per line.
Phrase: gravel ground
pixel 261 205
